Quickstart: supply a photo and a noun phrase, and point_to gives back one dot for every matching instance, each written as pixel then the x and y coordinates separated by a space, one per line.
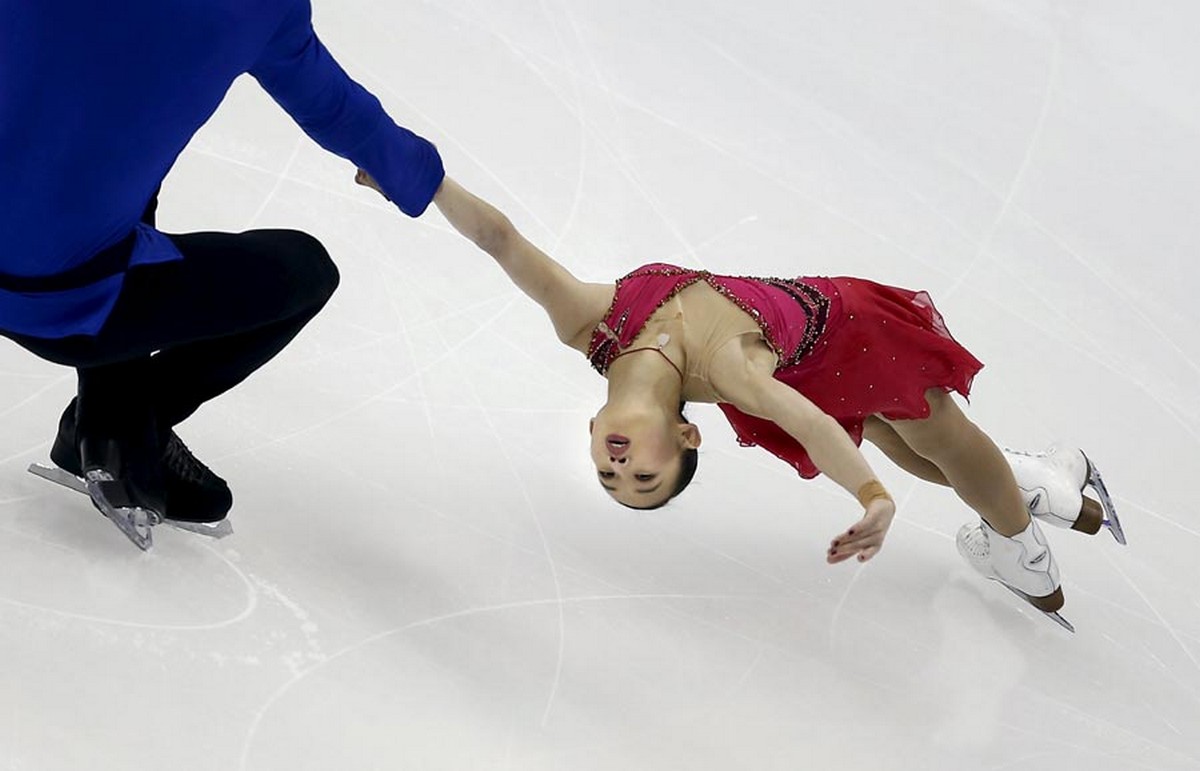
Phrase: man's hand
pixel 366 180
pixel 865 538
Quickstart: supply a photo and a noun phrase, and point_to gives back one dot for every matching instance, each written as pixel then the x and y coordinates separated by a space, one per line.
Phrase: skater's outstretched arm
pixel 742 374
pixel 574 306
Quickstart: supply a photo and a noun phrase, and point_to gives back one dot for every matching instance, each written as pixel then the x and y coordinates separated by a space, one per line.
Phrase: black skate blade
pixel 75 484
pixel 111 498
pixel 1052 615
pixel 1111 521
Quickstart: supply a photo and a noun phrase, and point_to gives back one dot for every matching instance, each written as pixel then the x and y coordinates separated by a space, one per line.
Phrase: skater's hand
pixel 366 180
pixel 865 538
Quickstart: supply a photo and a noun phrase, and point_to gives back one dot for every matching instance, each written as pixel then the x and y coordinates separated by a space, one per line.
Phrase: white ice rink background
pixel 425 573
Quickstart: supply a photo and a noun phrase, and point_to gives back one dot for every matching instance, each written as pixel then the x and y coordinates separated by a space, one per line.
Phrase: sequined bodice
pixel 790 314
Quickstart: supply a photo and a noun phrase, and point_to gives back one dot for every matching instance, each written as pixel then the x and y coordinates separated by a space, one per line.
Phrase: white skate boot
pixel 1022 563
pixel 1052 484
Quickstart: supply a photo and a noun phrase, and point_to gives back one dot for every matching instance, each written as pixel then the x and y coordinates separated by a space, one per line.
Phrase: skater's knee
pixel 940 433
pixel 882 435
pixel 318 273
pixel 877 432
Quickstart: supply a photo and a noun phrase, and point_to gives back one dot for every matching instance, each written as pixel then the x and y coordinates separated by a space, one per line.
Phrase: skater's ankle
pixel 1009 526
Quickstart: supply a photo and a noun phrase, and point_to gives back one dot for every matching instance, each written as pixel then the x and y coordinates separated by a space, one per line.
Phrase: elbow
pixel 495 233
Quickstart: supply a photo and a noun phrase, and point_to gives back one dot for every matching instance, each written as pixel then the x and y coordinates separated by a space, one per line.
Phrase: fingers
pixel 841 553
pixel 862 541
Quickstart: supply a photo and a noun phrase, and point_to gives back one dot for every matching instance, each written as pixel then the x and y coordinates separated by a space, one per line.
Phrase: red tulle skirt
pixel 880 352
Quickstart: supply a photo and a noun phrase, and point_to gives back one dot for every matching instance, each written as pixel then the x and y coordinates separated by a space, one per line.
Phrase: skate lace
pixel 179 460
pixel 975 541
pixel 1026 453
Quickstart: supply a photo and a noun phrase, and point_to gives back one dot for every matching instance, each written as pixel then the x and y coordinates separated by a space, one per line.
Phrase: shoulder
pixel 741 369
pixel 595 302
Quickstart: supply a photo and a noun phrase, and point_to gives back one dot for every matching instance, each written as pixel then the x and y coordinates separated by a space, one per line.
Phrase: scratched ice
pixel 424 573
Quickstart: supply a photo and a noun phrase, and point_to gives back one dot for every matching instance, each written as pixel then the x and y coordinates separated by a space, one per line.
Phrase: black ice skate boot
pixel 123 477
pixel 194 492
pixel 191 491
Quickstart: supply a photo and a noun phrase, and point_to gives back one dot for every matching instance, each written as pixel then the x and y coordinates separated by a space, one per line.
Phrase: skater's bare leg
pixel 883 436
pixel 968 460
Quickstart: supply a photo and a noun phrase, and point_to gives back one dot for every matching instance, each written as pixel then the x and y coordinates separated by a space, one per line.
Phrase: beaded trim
pixel 605 343
pixel 606 339
pixel 814 304
pixel 816 311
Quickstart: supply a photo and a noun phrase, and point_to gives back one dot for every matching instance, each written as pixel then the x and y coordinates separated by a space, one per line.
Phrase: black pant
pixel 210 319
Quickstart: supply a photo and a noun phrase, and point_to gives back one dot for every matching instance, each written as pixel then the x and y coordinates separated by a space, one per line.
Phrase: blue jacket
pixel 97 100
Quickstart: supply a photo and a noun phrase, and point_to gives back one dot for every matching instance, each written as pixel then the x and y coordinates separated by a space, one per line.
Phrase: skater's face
pixel 639 457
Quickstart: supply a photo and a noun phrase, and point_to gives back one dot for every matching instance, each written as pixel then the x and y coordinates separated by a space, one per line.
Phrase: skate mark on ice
pixel 715 145
pixel 577 196
pixel 1006 204
pixel 35 537
pixel 1123 610
pixel 444 355
pixel 1134 308
pixel 445 137
pixel 836 617
pixel 279 180
pixel 18 406
pixel 1125 502
pixel 295 661
pixel 627 169
pixel 708 240
pixel 684 536
pixel 274 698
pixel 818 112
pixel 514 473
pixel 1096 719
pixel 246 612
pixel 1175 635
pixel 359 199
pixel 1070 320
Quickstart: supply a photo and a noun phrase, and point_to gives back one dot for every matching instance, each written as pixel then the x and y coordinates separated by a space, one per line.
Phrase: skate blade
pixel 59 477
pixel 218 529
pixel 1053 615
pixel 1112 522
pixel 74 483
pixel 110 497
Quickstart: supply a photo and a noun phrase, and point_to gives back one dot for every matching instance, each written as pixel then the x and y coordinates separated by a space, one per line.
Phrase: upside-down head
pixel 644 458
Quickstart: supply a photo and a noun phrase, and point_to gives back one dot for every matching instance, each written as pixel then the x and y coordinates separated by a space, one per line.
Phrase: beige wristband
pixel 870 491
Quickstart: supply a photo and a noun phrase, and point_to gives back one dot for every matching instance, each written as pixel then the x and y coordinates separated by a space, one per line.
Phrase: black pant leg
pixel 230 305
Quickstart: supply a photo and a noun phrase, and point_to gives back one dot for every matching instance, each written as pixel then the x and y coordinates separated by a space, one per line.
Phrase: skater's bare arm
pixel 746 382
pixel 574 307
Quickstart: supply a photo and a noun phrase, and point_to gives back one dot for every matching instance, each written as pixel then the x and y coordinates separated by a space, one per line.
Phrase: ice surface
pixel 425 574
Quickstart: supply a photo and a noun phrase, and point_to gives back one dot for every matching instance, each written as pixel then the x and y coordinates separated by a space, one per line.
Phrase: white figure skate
pixel 1022 563
pixel 1052 485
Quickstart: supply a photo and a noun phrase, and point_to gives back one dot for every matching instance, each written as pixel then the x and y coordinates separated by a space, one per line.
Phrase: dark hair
pixel 689 459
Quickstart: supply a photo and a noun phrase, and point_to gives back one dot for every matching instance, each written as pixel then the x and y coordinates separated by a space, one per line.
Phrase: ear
pixel 690 434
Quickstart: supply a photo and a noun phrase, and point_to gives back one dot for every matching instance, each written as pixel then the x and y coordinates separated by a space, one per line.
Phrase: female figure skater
pixel 804 367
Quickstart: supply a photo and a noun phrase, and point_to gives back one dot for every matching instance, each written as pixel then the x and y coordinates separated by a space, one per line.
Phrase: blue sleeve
pixel 340 115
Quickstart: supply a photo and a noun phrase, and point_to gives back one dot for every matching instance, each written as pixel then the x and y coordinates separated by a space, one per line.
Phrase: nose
pixel 622 461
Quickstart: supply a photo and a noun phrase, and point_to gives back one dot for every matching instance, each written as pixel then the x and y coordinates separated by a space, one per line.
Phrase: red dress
pixel 853 347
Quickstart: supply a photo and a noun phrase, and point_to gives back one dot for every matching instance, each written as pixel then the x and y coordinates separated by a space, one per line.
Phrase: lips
pixel 616 444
